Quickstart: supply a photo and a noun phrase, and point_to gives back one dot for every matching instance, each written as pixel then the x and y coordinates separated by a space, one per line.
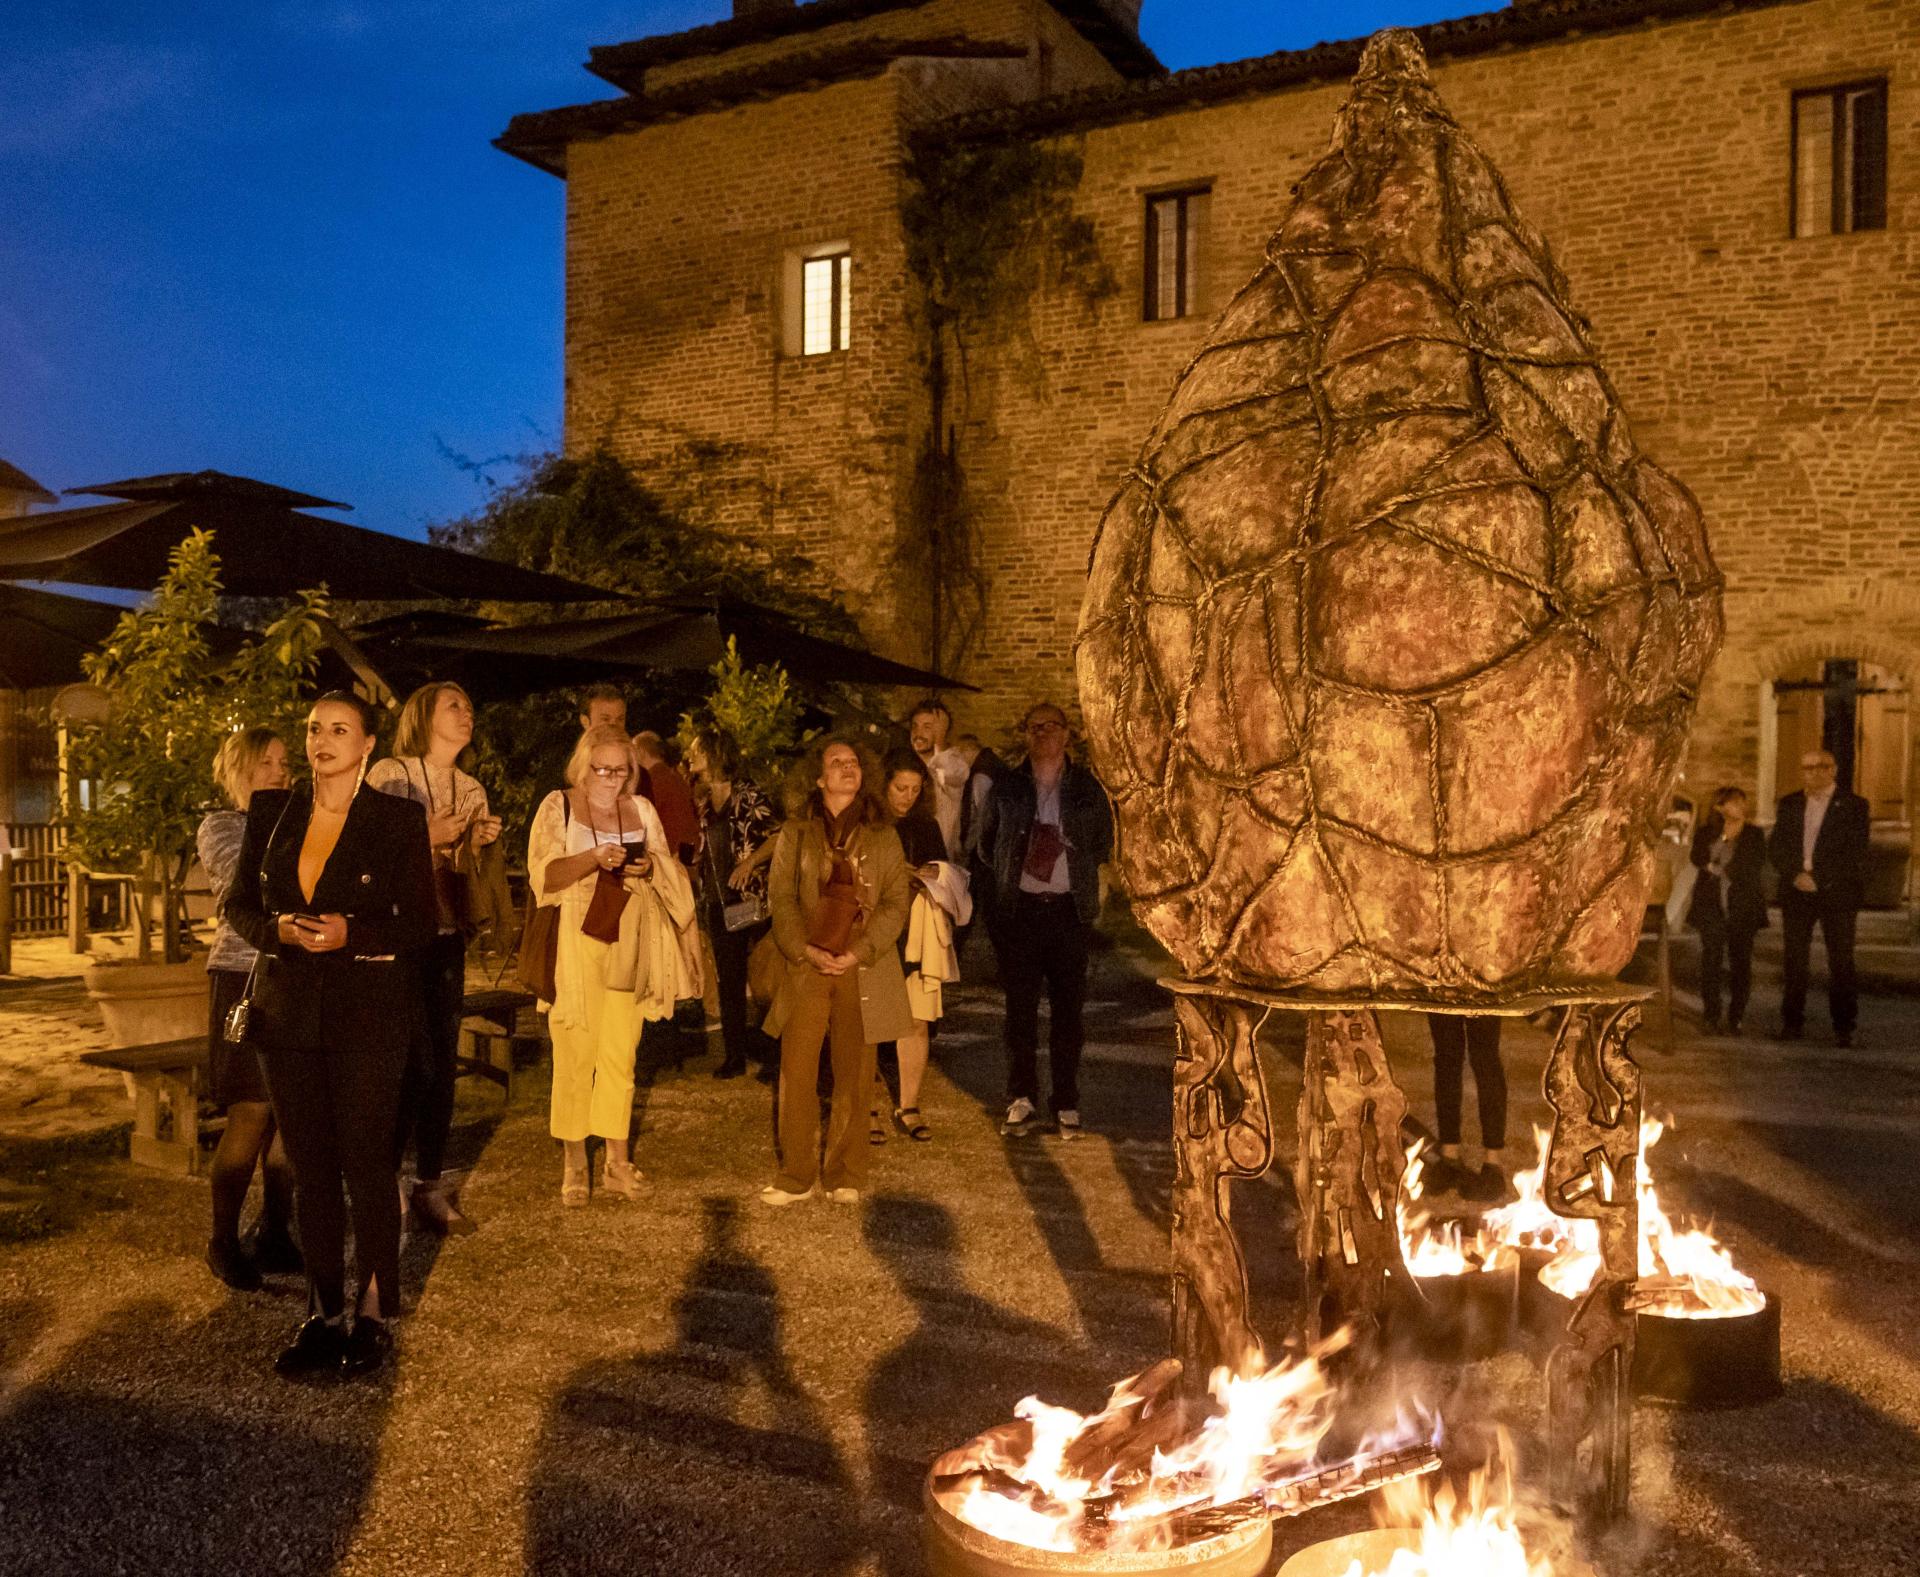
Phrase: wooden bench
pixel 493 1048
pixel 167 1077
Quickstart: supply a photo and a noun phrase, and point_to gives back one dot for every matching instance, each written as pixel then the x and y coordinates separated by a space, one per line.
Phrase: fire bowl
pixel 958 1549
pixel 1375 1552
pixel 1335 1557
pixel 1455 1319
pixel 1733 1361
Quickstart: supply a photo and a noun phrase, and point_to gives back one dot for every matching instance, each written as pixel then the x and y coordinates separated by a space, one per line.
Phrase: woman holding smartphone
pixel 598 853
pixel 334 888
pixel 436 726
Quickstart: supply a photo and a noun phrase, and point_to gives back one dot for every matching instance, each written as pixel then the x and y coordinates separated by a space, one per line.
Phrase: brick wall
pixel 1776 377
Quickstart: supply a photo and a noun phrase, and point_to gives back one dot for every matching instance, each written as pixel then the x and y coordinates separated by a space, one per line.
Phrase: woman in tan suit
pixel 839 896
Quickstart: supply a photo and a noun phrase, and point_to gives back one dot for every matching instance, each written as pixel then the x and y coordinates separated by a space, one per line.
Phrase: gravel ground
pixel 700 1385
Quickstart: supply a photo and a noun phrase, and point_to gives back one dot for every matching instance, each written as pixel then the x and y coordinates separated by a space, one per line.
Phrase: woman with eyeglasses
pixel 597 852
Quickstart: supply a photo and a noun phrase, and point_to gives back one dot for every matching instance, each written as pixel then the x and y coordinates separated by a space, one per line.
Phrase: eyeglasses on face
pixel 1046 727
pixel 608 772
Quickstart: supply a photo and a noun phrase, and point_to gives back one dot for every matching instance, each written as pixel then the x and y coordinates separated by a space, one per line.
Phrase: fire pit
pixel 1706 1335
pixel 1156 1481
pixel 1461 1296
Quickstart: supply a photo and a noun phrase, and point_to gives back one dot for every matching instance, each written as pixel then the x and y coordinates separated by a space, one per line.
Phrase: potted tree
pixel 148 771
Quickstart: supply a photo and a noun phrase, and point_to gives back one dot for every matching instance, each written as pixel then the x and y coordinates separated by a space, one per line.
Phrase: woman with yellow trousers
pixel 598 852
pixel 839 896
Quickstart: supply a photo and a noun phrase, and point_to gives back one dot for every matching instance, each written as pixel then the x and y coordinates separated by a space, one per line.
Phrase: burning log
pixel 1392 635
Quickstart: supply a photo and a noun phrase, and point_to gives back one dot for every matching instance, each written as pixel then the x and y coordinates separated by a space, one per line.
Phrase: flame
pixel 1261 1434
pixel 1684 1273
pixel 1440 1248
pixel 1478 1536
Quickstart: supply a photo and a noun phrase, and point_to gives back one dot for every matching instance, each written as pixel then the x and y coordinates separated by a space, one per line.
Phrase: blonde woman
pixel 253 758
pixel 436 727
pixel 597 852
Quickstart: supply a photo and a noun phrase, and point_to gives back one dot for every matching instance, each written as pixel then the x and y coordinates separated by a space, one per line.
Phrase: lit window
pixel 1174 223
pixel 1840 159
pixel 826 305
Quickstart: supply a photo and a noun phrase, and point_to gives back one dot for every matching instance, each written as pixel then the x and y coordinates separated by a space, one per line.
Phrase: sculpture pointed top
pixel 1393 55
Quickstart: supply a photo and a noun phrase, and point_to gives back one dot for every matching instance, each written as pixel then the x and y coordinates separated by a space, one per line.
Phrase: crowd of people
pixel 825 932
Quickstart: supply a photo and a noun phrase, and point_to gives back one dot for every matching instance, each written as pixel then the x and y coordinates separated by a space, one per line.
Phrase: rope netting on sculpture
pixel 1392 637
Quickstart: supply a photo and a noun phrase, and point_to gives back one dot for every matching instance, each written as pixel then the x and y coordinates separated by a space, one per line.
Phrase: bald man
pixel 1819 847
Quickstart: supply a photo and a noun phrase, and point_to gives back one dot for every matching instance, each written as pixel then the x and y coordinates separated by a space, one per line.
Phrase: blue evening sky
pixel 272 238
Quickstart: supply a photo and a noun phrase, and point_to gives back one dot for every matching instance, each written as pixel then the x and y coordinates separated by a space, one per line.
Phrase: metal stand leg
pixel 1593 1084
pixel 1347 1174
pixel 1221 1131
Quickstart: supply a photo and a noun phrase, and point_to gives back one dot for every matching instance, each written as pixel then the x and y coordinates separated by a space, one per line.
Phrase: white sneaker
pixel 1019 1116
pixel 773 1194
pixel 1068 1122
pixel 845 1196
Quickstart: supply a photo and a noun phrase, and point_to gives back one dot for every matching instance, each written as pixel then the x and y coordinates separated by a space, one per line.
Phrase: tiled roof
pixel 1528 22
pixel 541 138
pixel 624 65
pixel 14 480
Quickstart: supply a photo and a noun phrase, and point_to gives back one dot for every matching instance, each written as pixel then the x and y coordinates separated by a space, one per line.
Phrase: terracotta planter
pixel 146 1003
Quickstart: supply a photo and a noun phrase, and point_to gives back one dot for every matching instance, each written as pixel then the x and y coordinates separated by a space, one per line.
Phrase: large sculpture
pixel 1393 636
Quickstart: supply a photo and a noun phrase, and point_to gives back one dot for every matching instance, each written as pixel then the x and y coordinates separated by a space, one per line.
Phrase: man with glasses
pixel 1819 847
pixel 1045 831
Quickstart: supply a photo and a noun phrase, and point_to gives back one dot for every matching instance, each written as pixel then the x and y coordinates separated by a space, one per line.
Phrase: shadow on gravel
pixel 1819 1479
pixel 705 1458
pixel 49 1186
pixel 147 1450
pixel 1873 1166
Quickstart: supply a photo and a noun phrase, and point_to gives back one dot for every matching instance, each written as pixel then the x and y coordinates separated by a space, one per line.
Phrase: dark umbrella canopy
pixel 266 549
pixel 694 637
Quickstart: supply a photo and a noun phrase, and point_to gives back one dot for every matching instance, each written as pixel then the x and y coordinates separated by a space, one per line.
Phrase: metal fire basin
pixel 1732 1361
pixel 1375 1551
pixel 1455 1319
pixel 958 1549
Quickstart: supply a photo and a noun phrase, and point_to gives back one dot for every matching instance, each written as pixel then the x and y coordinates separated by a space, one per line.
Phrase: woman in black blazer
pixel 334 887
pixel 1729 905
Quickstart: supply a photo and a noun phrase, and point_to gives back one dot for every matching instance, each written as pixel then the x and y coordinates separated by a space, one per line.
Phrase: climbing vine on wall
pixel 987 226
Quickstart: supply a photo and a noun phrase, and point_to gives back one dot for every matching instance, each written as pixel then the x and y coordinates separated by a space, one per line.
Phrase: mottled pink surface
pixel 1392 637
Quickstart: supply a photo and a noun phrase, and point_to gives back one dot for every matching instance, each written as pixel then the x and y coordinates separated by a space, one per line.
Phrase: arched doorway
pixel 1861 711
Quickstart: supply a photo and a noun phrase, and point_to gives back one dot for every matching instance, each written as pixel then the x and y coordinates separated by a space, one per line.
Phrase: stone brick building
pixel 1732 187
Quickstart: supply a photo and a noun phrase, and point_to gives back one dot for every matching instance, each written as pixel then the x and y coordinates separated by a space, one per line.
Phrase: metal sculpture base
pixel 1347 1170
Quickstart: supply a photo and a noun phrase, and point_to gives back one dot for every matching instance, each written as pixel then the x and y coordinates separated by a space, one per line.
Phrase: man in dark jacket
pixel 1819 847
pixel 1045 830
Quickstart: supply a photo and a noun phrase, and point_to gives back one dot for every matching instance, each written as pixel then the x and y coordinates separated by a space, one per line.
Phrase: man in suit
pixel 1819 847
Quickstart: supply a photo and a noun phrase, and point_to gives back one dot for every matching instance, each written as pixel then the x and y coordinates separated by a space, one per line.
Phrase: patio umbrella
pixel 267 547
pixel 694 635
pixel 43 637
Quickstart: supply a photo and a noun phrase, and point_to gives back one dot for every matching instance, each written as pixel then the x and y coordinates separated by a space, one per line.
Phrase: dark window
pixel 826 307
pixel 1174 223
pixel 1840 159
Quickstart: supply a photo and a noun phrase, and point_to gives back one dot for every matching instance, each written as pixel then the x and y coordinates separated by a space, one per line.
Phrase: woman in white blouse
pixel 597 851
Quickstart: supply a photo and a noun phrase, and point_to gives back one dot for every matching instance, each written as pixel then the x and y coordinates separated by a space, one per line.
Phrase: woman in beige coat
pixel 839 896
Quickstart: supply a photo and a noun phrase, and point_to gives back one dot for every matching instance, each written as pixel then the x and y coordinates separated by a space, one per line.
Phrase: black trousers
pixel 1798 913
pixel 1042 945
pixel 740 1038
pixel 1458 1039
pixel 336 1107
pixel 1726 956
pixel 432 1071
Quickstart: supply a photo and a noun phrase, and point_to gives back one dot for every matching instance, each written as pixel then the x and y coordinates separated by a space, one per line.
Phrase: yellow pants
pixel 593 1063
